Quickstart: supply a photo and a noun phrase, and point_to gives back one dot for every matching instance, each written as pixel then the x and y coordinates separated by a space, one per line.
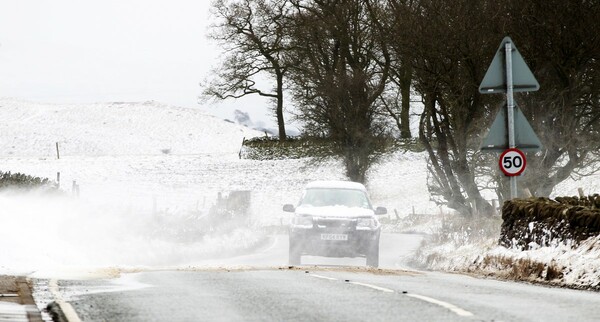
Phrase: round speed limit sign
pixel 512 162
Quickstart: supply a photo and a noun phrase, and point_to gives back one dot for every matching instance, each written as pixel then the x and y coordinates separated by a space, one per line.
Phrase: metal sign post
pixel 510 131
pixel 510 103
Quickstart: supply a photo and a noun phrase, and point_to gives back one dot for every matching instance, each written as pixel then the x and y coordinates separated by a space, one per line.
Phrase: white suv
pixel 335 219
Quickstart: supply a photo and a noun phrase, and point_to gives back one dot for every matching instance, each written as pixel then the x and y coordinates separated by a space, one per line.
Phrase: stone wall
pixel 543 222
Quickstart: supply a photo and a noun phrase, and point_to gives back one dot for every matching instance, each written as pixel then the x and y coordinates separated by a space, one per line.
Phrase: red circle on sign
pixel 512 162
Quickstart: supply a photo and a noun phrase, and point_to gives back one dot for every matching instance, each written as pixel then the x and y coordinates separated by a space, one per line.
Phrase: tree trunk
pixel 405 82
pixel 355 161
pixel 279 112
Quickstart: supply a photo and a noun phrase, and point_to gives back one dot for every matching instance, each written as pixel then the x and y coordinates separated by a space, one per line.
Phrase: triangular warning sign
pixel 497 138
pixel 494 80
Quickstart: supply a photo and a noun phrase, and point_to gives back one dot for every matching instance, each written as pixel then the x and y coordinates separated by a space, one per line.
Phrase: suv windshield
pixel 319 197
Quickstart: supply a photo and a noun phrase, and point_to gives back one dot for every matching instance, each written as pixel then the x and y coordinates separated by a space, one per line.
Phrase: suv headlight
pixel 303 221
pixel 366 224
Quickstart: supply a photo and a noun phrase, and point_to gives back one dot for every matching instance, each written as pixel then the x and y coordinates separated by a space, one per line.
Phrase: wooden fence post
pixel 75 189
pixel 581 193
pixel 154 209
pixel 241 148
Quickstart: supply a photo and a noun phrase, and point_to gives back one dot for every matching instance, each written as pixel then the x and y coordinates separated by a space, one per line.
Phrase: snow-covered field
pixel 132 160
pixel 115 152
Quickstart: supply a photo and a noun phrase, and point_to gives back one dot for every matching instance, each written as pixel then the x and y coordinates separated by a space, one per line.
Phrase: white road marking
pixel 383 289
pixel 323 277
pixel 67 309
pixel 443 304
pixel 379 288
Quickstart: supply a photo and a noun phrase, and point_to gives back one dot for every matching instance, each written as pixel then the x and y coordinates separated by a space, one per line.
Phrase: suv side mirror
pixel 381 211
pixel 289 208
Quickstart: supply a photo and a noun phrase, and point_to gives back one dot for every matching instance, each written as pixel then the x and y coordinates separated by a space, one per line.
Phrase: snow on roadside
pixel 579 267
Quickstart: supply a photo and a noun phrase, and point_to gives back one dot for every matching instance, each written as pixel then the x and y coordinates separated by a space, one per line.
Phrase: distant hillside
pixel 148 128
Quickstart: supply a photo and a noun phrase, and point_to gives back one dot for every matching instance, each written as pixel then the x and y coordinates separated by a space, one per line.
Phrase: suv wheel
pixel 294 254
pixel 373 258
pixel 373 255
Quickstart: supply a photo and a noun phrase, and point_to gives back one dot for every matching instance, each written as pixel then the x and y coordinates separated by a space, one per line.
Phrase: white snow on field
pixel 113 129
pixel 133 160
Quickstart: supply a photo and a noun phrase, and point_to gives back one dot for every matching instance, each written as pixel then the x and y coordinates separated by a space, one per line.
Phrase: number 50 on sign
pixel 512 162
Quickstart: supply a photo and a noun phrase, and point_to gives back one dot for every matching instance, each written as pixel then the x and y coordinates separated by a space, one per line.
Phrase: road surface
pixel 259 287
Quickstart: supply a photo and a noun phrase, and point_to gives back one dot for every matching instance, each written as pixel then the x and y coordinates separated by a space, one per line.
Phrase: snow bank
pixel 576 267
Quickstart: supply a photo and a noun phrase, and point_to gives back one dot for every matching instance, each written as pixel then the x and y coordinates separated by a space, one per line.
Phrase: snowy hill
pixel 149 128
pixel 141 154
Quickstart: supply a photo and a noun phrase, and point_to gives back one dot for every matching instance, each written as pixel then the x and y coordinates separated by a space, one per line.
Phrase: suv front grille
pixel 335 223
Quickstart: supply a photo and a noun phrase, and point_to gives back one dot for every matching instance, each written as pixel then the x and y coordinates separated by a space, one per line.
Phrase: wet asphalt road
pixel 294 295
pixel 261 292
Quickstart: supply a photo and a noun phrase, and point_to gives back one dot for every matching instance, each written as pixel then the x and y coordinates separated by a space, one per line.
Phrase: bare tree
pixel 447 64
pixel 342 70
pixel 401 71
pixel 451 44
pixel 561 40
pixel 253 35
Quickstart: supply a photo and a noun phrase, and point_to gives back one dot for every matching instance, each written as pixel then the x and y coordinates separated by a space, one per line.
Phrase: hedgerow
pixel 20 181
pixel 271 148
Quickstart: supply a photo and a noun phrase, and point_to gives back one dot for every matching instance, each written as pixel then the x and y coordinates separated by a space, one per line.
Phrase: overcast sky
pixel 84 51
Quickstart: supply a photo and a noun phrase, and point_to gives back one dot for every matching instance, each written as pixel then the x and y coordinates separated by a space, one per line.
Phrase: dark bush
pixel 20 181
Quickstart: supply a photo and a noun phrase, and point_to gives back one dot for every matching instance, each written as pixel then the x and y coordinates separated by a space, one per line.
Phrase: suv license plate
pixel 334 237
